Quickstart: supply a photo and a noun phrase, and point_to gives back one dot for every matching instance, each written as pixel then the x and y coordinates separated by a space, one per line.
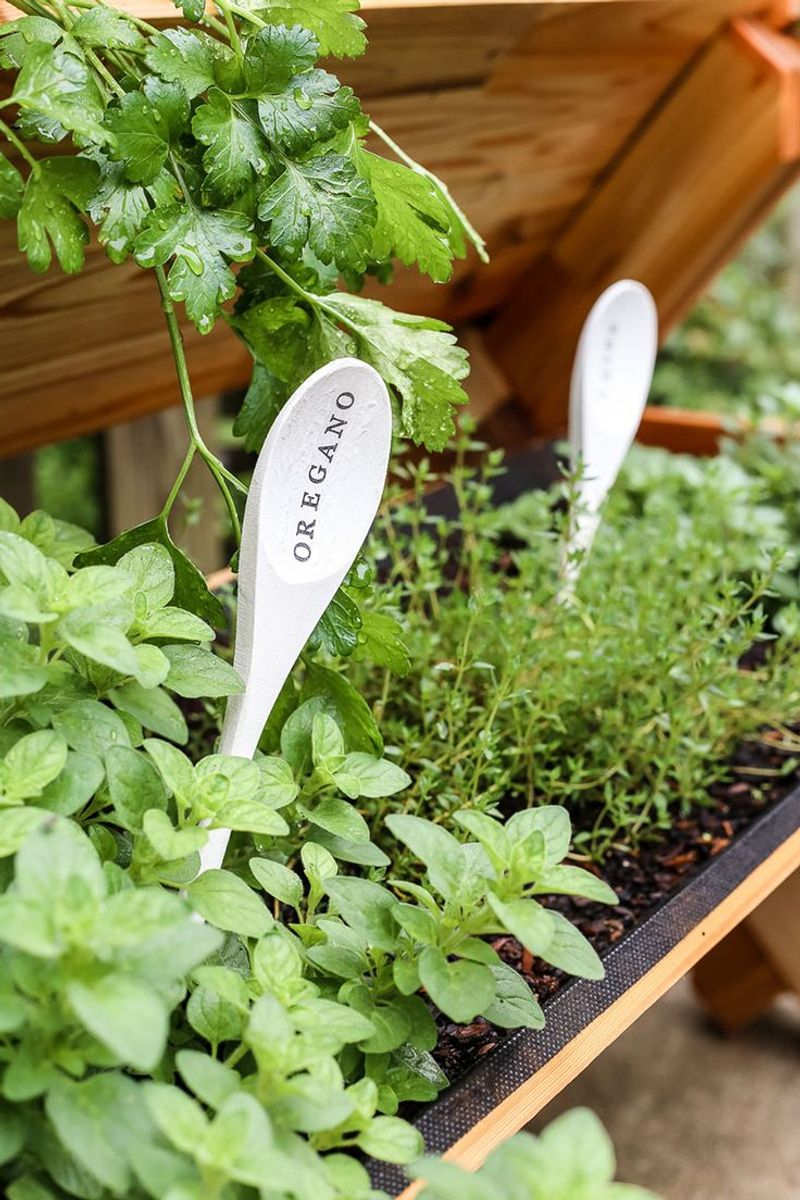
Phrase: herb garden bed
pixel 679 896
pixel 512 1080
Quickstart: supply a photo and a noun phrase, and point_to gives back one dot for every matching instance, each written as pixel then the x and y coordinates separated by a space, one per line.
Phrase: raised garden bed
pixel 679 897
pixel 507 1087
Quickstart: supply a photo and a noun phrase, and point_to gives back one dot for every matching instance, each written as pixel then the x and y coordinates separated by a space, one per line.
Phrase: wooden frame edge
pixel 523 1104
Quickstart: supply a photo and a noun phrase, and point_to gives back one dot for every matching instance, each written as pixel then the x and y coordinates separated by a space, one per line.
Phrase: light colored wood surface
pixel 510 1116
pixel 524 107
pixel 689 186
pixel 735 982
pixel 775 925
pixel 141 461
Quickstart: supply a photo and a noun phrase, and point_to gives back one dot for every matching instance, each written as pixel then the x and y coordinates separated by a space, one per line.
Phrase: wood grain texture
pixel 524 108
pixel 676 204
pixel 528 1100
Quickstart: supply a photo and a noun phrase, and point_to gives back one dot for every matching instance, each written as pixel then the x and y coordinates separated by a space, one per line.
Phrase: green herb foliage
pixel 572 1159
pixel 248 1054
pixel 623 704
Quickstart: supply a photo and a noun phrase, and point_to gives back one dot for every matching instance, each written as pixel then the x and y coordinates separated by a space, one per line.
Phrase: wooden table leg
pixel 741 977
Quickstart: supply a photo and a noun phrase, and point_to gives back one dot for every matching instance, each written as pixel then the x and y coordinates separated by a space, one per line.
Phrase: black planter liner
pixel 579 1002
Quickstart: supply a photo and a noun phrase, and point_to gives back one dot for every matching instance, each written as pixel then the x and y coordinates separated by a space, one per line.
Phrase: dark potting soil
pixel 763 772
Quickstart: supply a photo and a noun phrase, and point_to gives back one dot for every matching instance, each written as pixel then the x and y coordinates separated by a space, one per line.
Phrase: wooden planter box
pixel 528 1069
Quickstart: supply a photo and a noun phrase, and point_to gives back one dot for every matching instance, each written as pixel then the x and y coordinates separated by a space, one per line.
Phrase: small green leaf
pixel 33 762
pixel 373 777
pixel 191 591
pixel 210 1080
pixel 514 1005
pixel 107 28
pixel 126 1016
pixel 202 243
pixel 526 920
pixel 460 989
pixel 569 950
pixel 57 84
pixel 434 846
pixel 188 57
pixel 380 642
pixel 91 728
pixel 278 881
pixel 237 150
pixel 11 189
pixel 195 672
pixel 333 22
pixel 145 125
pixel 323 203
pixel 391 1140
pixel 227 902
pixel 86 630
pixel 54 196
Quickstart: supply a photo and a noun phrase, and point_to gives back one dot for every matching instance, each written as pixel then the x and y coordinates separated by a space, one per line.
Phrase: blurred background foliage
pixel 737 353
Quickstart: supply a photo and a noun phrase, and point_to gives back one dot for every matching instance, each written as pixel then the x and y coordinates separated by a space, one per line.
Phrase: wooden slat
pixel 690 186
pixel 533 103
pixel 682 430
pixel 529 1099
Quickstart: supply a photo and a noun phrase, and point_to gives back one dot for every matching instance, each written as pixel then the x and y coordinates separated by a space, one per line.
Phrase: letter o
pixel 302 552
pixel 340 398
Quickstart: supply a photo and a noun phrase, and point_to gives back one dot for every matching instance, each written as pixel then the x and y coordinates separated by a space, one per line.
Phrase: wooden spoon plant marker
pixel 611 380
pixel 315 492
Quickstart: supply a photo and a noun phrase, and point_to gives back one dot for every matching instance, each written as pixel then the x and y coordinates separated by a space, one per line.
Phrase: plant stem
pixel 466 224
pixel 176 487
pixel 233 32
pixel 212 462
pixel 19 146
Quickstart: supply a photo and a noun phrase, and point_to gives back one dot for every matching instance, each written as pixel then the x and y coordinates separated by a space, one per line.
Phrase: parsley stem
pixel 311 298
pixel 179 478
pixel 184 382
pixel 247 16
pixel 461 216
pixel 19 146
pixel 278 270
pixel 233 32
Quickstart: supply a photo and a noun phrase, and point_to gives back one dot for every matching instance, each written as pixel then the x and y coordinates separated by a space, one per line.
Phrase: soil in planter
pixel 643 879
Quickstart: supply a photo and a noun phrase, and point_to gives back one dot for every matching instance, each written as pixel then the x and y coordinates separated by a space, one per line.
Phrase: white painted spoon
pixel 611 380
pixel 315 491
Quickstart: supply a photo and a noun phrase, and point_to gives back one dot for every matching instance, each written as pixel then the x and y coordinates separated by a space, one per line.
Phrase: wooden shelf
pixel 567 129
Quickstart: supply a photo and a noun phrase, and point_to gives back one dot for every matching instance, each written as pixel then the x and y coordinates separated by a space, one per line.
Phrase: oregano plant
pixel 250 1031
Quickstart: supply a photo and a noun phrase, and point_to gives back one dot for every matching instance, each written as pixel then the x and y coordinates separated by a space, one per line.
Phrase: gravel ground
pixel 696 1116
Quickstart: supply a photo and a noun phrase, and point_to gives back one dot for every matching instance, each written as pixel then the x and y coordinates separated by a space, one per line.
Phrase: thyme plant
pixel 624 704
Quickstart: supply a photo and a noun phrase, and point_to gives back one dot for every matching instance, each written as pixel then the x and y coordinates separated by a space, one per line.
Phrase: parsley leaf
pixel 11 187
pixel 333 22
pixel 263 401
pixel 276 55
pixel 236 150
pixel 145 125
pixel 321 202
pixel 298 104
pixel 56 84
pixel 276 331
pixel 414 223
pixel 200 241
pixel 107 28
pixel 120 208
pixel 192 9
pixel 53 193
pixel 188 57
pixel 18 37
pixel 416 355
